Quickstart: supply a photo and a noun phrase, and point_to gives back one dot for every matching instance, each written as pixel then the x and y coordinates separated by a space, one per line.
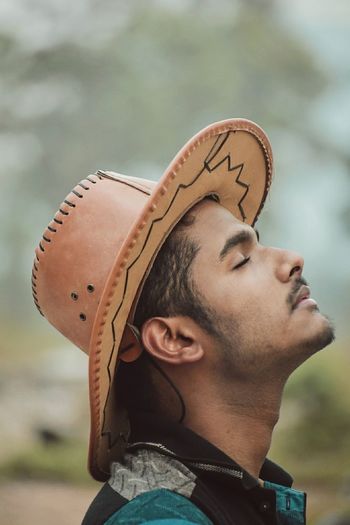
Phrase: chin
pixel 322 336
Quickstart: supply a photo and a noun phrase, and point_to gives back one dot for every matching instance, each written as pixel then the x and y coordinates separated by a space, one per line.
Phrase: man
pixel 192 328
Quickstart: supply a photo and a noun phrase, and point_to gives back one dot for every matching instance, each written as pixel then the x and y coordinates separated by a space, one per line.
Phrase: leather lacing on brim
pixel 67 207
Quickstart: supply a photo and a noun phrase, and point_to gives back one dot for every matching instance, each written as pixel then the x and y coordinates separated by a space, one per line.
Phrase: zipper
pixel 197 464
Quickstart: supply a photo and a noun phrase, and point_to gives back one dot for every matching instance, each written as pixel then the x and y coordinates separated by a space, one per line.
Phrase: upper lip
pixel 304 293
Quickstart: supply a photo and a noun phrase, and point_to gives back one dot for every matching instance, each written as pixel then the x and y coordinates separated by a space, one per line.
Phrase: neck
pixel 239 425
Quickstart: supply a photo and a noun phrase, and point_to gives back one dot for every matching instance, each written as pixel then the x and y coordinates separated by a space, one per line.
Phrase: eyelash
pixel 244 261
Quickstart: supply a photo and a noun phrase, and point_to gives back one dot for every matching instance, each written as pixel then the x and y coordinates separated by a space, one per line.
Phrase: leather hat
pixel 96 253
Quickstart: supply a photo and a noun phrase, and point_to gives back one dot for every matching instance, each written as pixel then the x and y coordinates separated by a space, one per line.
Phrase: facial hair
pixel 243 359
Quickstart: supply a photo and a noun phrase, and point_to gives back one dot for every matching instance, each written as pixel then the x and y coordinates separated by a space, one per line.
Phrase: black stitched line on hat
pixel 246 186
pixel 38 307
pixel 51 229
pixel 77 194
pixel 57 221
pixel 216 147
pixel 63 212
pixel 146 191
pixel 69 203
pixel 214 153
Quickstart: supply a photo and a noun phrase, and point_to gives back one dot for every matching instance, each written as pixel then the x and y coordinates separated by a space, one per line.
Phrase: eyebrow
pixel 236 239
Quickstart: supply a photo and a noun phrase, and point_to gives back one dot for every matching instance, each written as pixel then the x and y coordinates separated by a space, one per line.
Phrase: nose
pixel 288 264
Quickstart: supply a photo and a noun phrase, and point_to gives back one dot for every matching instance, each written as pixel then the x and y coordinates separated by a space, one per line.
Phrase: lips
pixel 304 293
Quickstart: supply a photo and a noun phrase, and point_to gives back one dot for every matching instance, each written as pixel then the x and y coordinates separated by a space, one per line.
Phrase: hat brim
pixel 231 159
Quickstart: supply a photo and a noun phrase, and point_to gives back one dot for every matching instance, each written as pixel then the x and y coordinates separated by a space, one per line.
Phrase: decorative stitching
pixel 69 203
pixel 134 185
pixel 215 150
pixel 77 194
pixel 53 230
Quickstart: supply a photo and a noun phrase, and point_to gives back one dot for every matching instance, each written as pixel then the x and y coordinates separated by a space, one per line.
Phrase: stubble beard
pixel 244 358
pixel 240 358
pixel 323 338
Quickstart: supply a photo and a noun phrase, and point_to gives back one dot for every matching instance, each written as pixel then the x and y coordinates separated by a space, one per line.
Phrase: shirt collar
pixel 150 428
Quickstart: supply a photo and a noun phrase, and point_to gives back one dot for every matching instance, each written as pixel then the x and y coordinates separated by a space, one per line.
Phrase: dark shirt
pixel 169 472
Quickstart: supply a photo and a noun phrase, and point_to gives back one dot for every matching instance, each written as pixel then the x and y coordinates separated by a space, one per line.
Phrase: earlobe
pixel 172 340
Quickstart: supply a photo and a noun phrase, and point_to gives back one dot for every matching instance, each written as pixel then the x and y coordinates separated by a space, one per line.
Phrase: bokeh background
pixel 121 85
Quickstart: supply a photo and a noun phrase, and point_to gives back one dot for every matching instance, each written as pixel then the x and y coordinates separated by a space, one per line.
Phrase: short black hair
pixel 169 290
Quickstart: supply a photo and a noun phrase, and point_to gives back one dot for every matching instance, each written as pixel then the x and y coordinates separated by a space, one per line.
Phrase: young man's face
pixel 262 321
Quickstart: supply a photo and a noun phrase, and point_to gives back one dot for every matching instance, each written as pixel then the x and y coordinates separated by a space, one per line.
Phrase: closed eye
pixel 244 261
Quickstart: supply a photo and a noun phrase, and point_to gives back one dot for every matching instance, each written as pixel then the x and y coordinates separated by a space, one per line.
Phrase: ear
pixel 175 340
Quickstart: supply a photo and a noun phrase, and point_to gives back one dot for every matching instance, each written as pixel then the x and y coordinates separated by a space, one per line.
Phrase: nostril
pixel 295 269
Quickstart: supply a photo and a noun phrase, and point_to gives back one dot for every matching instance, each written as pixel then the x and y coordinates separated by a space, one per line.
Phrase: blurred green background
pixel 121 85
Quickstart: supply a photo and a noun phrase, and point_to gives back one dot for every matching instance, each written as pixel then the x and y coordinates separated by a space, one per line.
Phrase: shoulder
pixel 159 507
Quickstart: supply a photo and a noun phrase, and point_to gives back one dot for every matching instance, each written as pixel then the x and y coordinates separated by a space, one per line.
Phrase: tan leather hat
pixel 97 251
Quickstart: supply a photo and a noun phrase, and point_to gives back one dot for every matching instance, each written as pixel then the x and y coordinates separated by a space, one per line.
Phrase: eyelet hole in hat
pixel 82 317
pixel 90 288
pixel 74 296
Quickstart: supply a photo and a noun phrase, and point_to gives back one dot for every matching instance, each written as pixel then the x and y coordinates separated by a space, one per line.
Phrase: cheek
pixel 247 294
pixel 253 304
pixel 252 297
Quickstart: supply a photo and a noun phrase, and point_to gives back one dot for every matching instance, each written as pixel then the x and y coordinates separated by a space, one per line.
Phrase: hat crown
pixel 78 248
